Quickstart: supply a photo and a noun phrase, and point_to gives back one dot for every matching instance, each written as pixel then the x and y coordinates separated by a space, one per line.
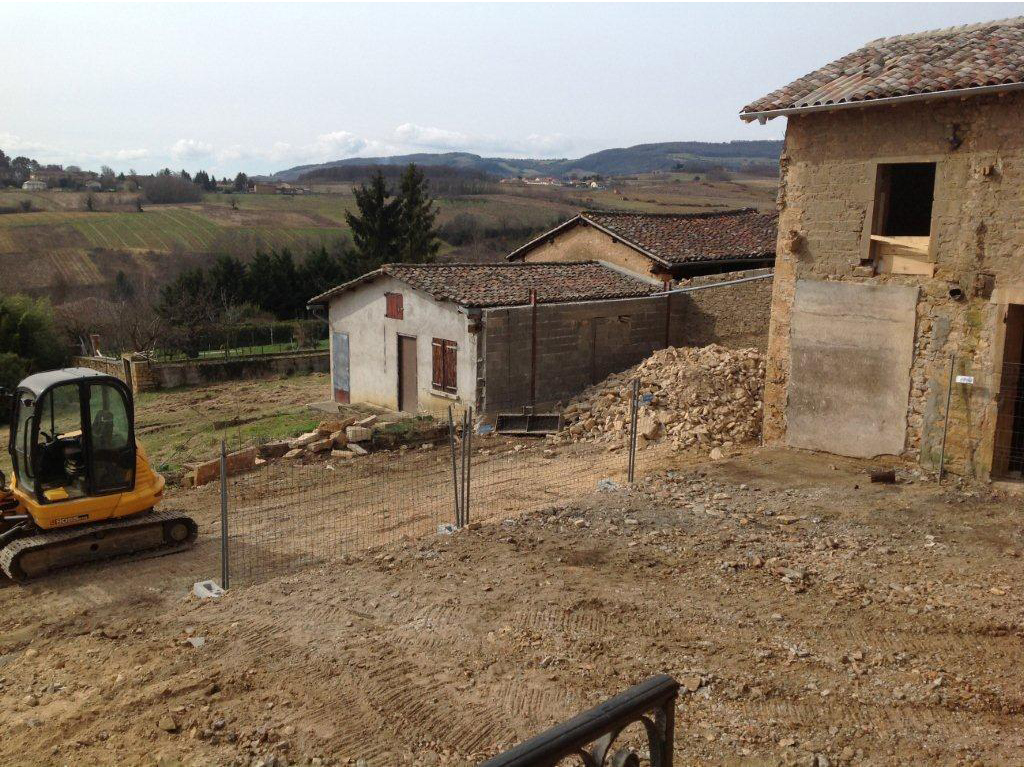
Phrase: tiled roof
pixel 973 56
pixel 682 238
pixel 503 285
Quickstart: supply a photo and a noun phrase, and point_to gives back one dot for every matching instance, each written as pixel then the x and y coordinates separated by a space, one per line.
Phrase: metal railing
pixel 592 734
pixel 247 341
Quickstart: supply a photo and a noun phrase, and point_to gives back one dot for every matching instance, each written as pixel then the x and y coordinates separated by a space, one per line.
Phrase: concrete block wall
pixel 826 201
pixel 577 345
pixel 580 344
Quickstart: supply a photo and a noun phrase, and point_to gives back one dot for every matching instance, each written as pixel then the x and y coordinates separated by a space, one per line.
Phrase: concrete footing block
pixel 207 589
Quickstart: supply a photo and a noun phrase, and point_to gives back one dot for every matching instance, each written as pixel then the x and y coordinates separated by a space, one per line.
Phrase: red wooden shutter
pixel 437 354
pixel 451 351
pixel 395 308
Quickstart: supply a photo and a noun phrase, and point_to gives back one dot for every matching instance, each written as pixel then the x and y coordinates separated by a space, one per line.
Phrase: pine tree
pixel 376 229
pixel 228 280
pixel 419 242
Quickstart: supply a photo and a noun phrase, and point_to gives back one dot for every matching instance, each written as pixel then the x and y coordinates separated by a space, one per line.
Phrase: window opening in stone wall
pixel 901 230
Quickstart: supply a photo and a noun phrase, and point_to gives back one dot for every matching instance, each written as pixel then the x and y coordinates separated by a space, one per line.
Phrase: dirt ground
pixel 813 617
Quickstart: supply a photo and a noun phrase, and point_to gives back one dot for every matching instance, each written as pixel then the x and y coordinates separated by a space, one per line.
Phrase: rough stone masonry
pixel 826 201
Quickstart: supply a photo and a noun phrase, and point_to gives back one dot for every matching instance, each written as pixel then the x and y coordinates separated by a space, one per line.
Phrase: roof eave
pixel 325 297
pixel 764 116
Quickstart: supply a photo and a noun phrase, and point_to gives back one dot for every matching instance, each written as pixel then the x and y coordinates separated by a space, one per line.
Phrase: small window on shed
pixel 394 308
pixel 901 230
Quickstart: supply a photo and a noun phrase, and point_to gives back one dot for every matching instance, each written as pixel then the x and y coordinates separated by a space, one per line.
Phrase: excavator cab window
pixel 59 465
pixel 21 436
pixel 112 444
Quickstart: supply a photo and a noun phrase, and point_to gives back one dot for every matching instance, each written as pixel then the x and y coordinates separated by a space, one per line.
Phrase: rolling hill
pixel 642 158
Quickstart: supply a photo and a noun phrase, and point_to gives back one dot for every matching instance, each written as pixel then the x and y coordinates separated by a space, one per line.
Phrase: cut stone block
pixel 303 440
pixel 274 450
pixel 358 434
pixel 369 421
pixel 237 461
pixel 336 454
pixel 295 453
pixel 321 445
pixel 357 449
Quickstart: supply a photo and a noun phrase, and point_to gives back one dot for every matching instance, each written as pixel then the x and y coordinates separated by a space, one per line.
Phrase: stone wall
pixel 112 366
pixel 826 199
pixel 146 375
pixel 735 316
pixel 584 242
pixel 579 344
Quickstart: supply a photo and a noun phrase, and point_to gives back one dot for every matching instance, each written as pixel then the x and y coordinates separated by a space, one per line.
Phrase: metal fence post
pixel 945 420
pixel 225 569
pixel 469 464
pixel 462 472
pixel 632 430
pixel 455 471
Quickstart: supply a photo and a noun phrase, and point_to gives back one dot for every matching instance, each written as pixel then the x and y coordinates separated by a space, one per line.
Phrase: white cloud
pixel 15 145
pixel 124 155
pixel 191 150
pixel 436 138
pixel 433 138
pixel 339 143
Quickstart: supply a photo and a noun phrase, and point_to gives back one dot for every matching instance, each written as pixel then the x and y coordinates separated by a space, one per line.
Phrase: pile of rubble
pixel 338 439
pixel 692 396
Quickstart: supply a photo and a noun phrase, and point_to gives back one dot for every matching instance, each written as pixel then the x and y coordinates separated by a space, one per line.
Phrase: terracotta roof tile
pixel 502 285
pixel 684 238
pixel 972 56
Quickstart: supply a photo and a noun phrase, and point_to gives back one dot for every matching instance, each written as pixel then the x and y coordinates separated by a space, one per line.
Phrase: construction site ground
pixel 813 618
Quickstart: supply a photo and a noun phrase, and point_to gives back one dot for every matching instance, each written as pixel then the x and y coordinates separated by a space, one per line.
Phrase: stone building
pixel 901 252
pixel 660 246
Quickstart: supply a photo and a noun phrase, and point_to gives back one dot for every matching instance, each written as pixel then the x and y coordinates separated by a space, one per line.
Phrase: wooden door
pixel 407 384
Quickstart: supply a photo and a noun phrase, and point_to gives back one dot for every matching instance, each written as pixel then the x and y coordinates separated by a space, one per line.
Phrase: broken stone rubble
pixel 708 397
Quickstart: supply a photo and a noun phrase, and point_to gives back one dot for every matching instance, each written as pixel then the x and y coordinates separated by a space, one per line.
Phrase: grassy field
pixel 59 247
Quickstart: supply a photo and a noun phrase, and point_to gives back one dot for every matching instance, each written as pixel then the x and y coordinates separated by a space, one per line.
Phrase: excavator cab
pixel 73 437
pixel 76 463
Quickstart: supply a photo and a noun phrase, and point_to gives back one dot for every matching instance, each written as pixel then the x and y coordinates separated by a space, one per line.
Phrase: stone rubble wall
pixel 826 201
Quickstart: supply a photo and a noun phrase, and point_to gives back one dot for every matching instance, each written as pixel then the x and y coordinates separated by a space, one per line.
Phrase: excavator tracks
pixel 148 535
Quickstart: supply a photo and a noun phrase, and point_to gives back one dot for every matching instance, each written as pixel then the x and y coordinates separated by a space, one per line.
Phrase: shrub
pixel 29 340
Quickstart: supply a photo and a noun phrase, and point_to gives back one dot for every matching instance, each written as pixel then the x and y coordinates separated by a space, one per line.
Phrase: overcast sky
pixel 262 87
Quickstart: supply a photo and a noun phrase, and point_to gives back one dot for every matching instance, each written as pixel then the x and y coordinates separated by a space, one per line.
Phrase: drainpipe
pixel 667 287
pixel 533 347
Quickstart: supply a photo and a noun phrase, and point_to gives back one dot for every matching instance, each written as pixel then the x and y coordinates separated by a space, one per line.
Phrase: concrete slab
pixel 852 349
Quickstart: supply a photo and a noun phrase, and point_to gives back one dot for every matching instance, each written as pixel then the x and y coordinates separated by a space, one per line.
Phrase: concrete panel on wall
pixel 852 349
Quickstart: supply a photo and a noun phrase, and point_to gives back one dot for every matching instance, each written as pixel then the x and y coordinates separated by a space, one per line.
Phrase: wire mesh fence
pixel 231 341
pixel 289 515
pixel 294 513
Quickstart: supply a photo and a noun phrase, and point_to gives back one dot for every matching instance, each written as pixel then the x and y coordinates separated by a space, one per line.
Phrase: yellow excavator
pixel 82 488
